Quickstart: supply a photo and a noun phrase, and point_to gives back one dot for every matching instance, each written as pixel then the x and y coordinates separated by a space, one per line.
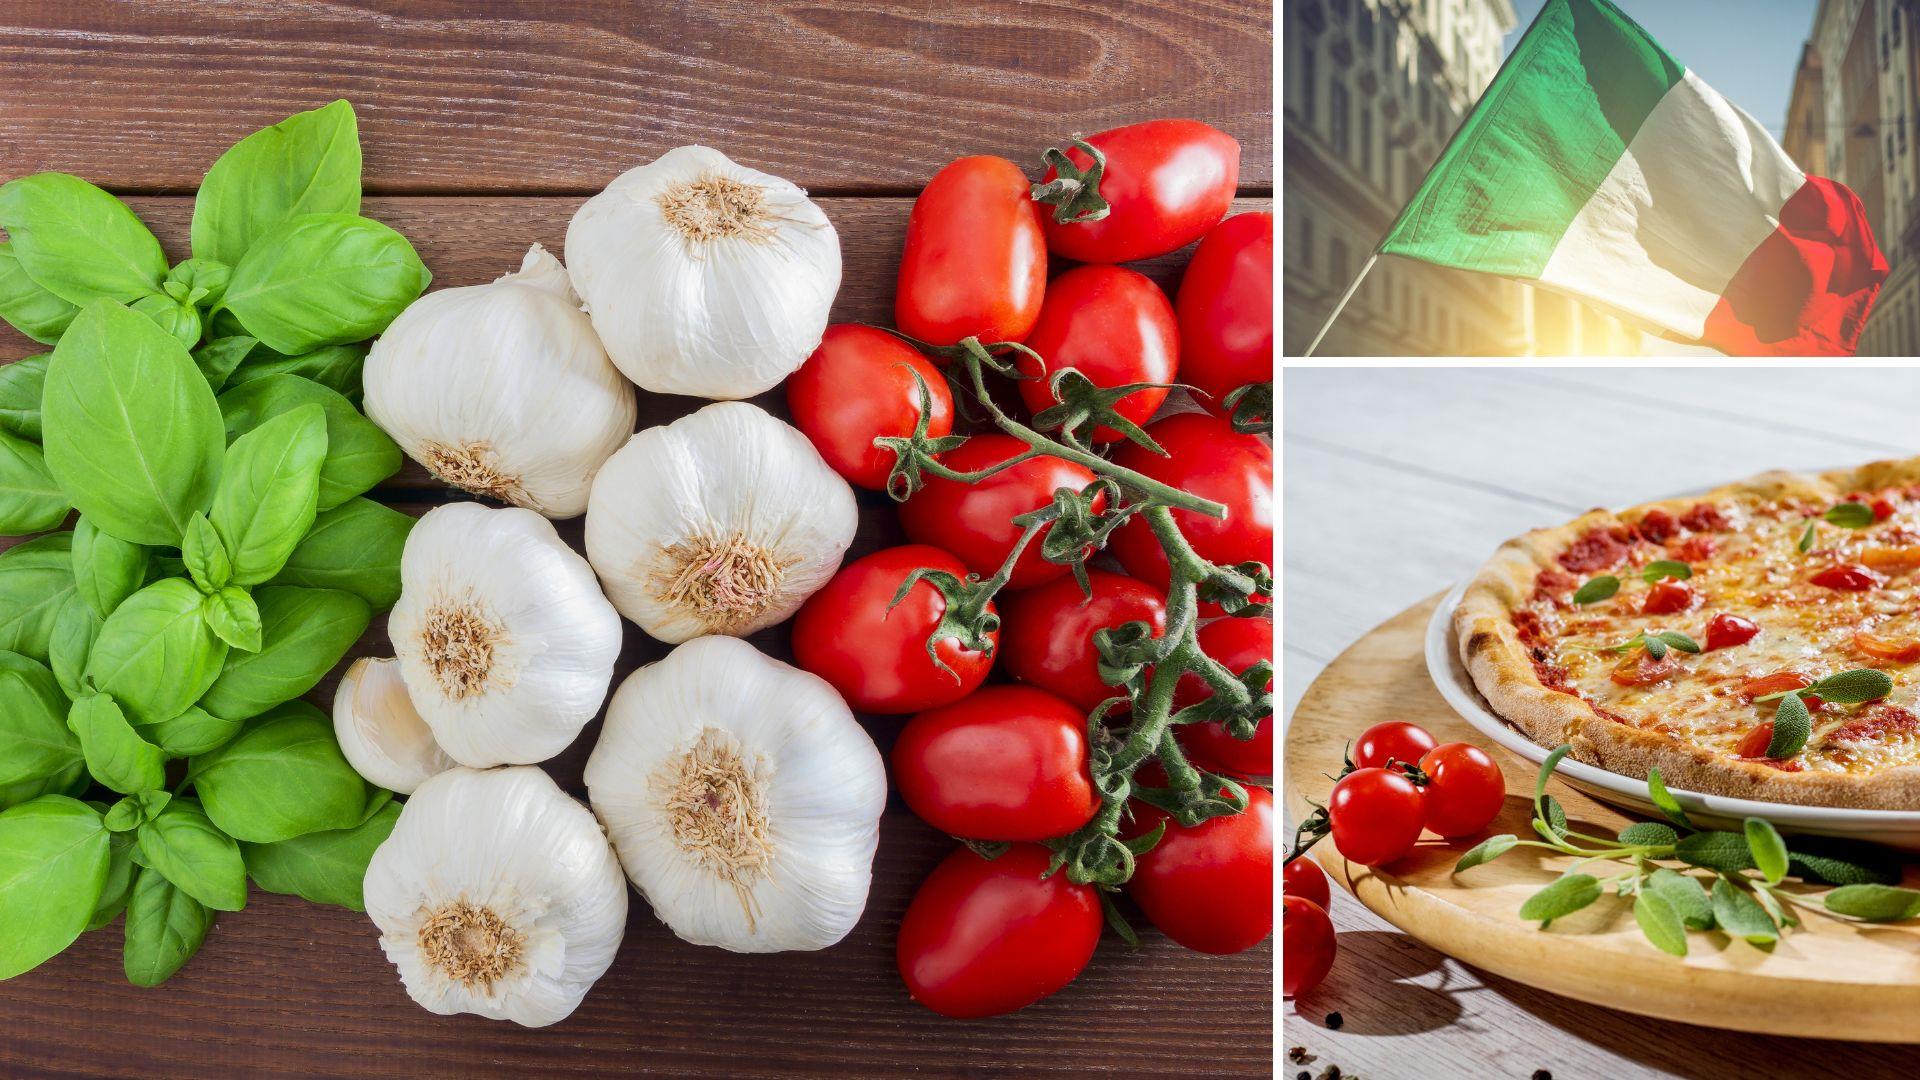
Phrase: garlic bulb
pixel 704 277
pixel 502 389
pixel 742 796
pixel 504 639
pixel 722 522
pixel 497 894
pixel 380 732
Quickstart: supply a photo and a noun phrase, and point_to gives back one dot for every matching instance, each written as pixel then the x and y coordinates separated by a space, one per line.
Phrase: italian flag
pixel 1597 165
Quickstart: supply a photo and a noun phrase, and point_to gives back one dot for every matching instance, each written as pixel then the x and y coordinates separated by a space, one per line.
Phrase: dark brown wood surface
pixel 484 125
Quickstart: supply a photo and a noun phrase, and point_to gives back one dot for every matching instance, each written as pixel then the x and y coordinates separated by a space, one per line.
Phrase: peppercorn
pixel 1542 1074
pixel 1334 1020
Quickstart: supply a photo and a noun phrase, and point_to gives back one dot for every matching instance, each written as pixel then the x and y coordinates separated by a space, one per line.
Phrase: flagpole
pixel 1342 305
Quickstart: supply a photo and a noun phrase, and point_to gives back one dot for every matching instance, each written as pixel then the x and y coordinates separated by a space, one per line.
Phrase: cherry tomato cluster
pixel 1402 783
pixel 1005 764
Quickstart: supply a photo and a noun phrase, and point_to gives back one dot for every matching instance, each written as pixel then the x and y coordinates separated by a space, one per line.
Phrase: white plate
pixel 1897 828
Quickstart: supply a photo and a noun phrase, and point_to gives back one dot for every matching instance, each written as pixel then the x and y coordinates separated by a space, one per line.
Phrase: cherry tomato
pixel 877 658
pixel 1167 182
pixel 1724 631
pixel 858 386
pixel 1847 577
pixel 1465 789
pixel 1391 740
pixel 1002 763
pixel 1882 509
pixel 1376 816
pixel 1778 682
pixel 1208 887
pixel 975 521
pixel 983 937
pixel 1307 945
pixel 1899 650
pixel 1047 632
pixel 975 263
pixel 1667 598
pixel 1754 744
pixel 1303 878
pixel 1209 459
pixel 1239 644
pixel 1225 308
pixel 1641 669
pixel 1113 326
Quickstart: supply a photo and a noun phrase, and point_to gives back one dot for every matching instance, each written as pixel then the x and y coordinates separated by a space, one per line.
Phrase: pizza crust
pixel 1503 672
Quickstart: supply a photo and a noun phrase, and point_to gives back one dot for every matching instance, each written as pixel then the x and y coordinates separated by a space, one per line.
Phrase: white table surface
pixel 1399 482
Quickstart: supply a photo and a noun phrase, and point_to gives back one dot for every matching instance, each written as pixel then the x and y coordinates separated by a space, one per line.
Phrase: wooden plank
pixel 516 96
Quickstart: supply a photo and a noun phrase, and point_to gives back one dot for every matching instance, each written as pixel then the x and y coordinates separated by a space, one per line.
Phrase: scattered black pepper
pixel 1334 1020
pixel 1333 1073
pixel 1542 1074
pixel 1304 1075
pixel 1299 1056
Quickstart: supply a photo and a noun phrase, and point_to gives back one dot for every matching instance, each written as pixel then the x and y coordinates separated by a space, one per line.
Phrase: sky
pixel 1745 49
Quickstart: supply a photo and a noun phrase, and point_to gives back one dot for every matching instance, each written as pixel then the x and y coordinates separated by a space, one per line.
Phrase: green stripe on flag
pixel 1558 116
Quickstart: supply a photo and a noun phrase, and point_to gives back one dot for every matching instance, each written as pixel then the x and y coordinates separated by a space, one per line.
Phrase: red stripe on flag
pixel 1806 290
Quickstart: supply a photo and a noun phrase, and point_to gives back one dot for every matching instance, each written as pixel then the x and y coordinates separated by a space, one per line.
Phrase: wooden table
pixel 484 126
pixel 1399 482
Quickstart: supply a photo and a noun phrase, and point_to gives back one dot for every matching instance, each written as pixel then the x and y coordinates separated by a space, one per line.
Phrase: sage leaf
pixel 26 306
pixel 1792 725
pixel 323 867
pixel 283 777
pixel 155 654
pixel 1648 834
pixel 54 855
pixel 195 731
pixel 324 279
pixel 1486 851
pixel 1546 770
pixel 1740 915
pixel 30 500
pixel 1725 852
pixel 1660 569
pixel 165 927
pixel 33 723
pixel 22 384
pixel 303 634
pixel 1854 686
pixel 221 356
pixel 106 569
pixel 336 367
pixel 119 884
pixel 1685 895
pixel 74 631
pixel 1664 801
pixel 269 490
pixel 308 163
pixel 1596 589
pixel 356 548
pixel 1776 911
pixel 35 580
pixel 1837 862
pixel 204 555
pixel 359 454
pixel 1554 814
pixel 185 847
pixel 1566 895
pixel 1660 923
pixel 78 242
pixel 116 754
pixel 1850 515
pixel 1874 903
pixel 1768 850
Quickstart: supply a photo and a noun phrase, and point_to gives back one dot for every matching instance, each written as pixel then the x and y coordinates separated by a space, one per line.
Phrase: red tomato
pixel 1113 326
pixel 1002 763
pixel 984 937
pixel 1225 308
pixel 1307 945
pixel 1303 877
pixel 1667 598
pixel 1882 509
pixel 975 263
pixel 1724 631
pixel 877 658
pixel 1208 887
pixel 1167 182
pixel 1899 650
pixel 975 521
pixel 1641 669
pixel 1778 682
pixel 1754 744
pixel 1239 644
pixel 1391 740
pixel 1047 632
pixel 858 386
pixel 1376 816
pixel 1209 459
pixel 1848 577
pixel 1465 789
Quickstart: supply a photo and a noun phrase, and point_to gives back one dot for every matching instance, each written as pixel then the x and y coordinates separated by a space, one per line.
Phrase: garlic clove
pixel 380 732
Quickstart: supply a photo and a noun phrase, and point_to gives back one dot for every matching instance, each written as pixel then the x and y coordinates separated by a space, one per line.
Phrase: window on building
pixel 1338 112
pixel 1896 25
pixel 1901 129
pixel 1306 243
pixel 1889 151
pixel 1309 102
pixel 1426 105
pixel 1339 10
pixel 1363 29
pixel 1884 54
pixel 1366 139
pixel 1337 263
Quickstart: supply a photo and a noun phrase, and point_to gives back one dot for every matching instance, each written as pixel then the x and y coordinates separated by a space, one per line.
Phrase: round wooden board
pixel 1826 978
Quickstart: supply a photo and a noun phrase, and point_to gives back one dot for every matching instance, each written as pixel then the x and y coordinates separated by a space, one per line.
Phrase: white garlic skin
pixel 511 373
pixel 723 317
pixel 728 470
pixel 823 781
pixel 557 636
pixel 510 841
pixel 380 732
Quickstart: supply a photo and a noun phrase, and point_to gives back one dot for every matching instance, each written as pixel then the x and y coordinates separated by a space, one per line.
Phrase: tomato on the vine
pixel 1239 644
pixel 1465 789
pixel 1002 763
pixel 858 386
pixel 1307 945
pixel 1303 877
pixel 1166 183
pixel 1112 325
pixel 1208 886
pixel 876 657
pixel 1205 457
pixel 1225 308
pixel 983 937
pixel 1047 632
pixel 1376 816
pixel 975 261
pixel 1391 740
pixel 975 521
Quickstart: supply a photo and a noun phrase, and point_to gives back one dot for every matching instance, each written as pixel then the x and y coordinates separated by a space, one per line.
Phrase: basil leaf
pixel 1596 589
pixel 30 500
pixel 1684 894
pixel 220 357
pixel 27 306
pixel 1486 851
pixel 283 777
pixel 269 486
pixel 74 632
pixel 204 555
pixel 1566 895
pixel 232 615
pixel 183 845
pixel 336 367
pixel 33 723
pixel 308 163
pixel 165 927
pixel 119 884
pixel 1769 851
pixel 324 867
pixel 22 384
pixel 106 569
pixel 324 279
pixel 78 242
pixel 1664 801
pixel 1854 687
pixel 1875 903
pixel 1722 851
pixel 1648 834
pixel 54 855
pixel 155 653
pixel 36 578
pixel 1660 922
pixel 132 432
pixel 359 454
pixel 133 811
pixel 116 754
pixel 180 321
pixel 71 781
pixel 355 547
pixel 195 731
pixel 1665 568
pixel 1792 724
pixel 1850 515
pixel 303 633
pixel 1740 915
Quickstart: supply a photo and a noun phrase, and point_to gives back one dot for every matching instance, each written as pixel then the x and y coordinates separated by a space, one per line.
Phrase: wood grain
pixel 520 96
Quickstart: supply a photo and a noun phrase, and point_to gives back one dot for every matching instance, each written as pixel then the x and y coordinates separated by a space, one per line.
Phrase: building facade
pixel 1372 91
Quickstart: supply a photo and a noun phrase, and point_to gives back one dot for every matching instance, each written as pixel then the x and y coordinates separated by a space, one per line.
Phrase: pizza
pixel 1761 640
